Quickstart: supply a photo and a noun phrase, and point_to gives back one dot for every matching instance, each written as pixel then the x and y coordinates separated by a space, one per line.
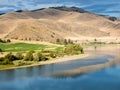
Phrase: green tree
pixel 1 50
pixel 72 49
pixel 6 61
pixel 53 54
pixel 8 41
pixel 19 56
pixel 1 40
pixel 41 57
pixel 65 42
pixel 29 56
pixel 10 57
pixel 58 41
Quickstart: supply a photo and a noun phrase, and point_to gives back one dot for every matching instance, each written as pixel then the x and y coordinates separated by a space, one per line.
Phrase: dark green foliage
pixel 58 41
pixel 65 42
pixel 53 54
pixel 112 18
pixel 19 56
pixel 70 41
pixel 1 59
pixel 41 57
pixel 1 40
pixel 29 56
pixel 6 61
pixel 73 49
pixel 10 57
pixel 8 41
pixel 21 63
pixel 5 41
pixel 1 50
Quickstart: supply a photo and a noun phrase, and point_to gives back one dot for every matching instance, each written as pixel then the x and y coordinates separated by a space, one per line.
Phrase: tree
pixel 10 57
pixel 19 56
pixel 6 61
pixel 41 57
pixel 58 41
pixel 1 40
pixel 29 56
pixel 72 49
pixel 52 54
pixel 65 42
pixel 70 41
pixel 8 41
pixel 1 50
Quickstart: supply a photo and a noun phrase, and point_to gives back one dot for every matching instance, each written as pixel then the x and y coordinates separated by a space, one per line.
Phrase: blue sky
pixel 106 7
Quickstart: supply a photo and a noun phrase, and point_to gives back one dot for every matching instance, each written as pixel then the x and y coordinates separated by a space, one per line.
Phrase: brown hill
pixel 57 22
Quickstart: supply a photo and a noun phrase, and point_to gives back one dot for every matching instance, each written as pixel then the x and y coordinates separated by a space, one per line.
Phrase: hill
pixel 48 24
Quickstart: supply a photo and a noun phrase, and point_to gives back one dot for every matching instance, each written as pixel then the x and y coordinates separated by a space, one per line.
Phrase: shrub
pixel 8 41
pixel 40 57
pixel 1 50
pixel 6 61
pixel 29 56
pixel 19 56
pixel 1 59
pixel 72 49
pixel 10 57
pixel 53 54
pixel 58 41
pixel 21 63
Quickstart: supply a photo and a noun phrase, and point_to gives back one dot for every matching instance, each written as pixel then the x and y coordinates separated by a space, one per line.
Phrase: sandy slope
pixel 50 24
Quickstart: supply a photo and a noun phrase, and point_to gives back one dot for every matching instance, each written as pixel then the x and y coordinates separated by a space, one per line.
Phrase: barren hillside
pixel 57 22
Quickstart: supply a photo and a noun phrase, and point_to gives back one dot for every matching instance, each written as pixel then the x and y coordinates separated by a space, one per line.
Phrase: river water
pixel 47 77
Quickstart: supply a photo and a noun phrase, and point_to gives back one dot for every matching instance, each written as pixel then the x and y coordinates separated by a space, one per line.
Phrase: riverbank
pixel 52 61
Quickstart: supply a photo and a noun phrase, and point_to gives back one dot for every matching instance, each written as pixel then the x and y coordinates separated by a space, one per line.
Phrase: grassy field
pixel 21 47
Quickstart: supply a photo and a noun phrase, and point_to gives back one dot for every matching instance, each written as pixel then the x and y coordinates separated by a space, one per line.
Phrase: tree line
pixel 43 55
pixel 5 41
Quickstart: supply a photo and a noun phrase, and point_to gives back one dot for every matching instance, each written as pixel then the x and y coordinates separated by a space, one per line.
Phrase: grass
pixel 21 47
pixel 6 66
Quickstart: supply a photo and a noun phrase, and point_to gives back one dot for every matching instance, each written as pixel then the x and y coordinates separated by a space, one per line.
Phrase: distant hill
pixel 48 24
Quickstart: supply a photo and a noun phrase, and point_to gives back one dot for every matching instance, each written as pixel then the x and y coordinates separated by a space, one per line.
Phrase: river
pixel 49 77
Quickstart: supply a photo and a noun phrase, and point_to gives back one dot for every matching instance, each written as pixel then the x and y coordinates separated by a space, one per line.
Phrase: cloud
pixel 107 7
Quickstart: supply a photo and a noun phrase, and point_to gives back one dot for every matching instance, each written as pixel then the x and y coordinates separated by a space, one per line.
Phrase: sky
pixel 104 7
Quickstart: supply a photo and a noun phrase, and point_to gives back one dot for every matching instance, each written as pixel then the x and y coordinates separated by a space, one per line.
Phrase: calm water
pixel 43 77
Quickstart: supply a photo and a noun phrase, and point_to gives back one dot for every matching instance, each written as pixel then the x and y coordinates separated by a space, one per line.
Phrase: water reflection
pixel 66 75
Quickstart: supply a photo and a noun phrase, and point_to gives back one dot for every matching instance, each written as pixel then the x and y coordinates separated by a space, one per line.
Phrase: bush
pixel 10 57
pixel 40 57
pixel 29 56
pixel 58 41
pixel 5 41
pixel 1 59
pixel 21 63
pixel 6 61
pixel 1 50
pixel 72 49
pixel 8 41
pixel 53 54
pixel 19 56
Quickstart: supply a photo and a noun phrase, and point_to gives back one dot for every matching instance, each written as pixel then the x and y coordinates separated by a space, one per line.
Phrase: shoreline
pixel 51 61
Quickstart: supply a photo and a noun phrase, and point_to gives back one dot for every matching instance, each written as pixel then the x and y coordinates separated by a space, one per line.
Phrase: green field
pixel 21 47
